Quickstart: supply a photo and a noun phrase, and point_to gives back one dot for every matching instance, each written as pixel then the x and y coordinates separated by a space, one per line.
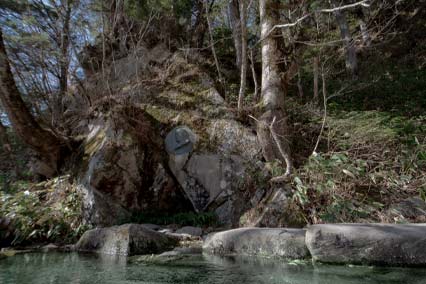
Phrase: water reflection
pixel 81 269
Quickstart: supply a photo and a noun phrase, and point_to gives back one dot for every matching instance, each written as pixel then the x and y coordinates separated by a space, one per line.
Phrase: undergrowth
pixel 368 160
pixel 44 212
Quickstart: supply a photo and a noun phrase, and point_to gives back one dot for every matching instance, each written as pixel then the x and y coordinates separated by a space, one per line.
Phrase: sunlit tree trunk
pixel 272 127
pixel 244 61
pixel 40 140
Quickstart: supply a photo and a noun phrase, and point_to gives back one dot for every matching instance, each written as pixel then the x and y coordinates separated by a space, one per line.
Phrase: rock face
pixel 379 244
pixel 124 173
pixel 126 167
pixel 268 242
pixel 211 182
pixel 128 239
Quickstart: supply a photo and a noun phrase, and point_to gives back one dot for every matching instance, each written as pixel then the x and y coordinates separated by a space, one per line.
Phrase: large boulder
pixel 128 239
pixel 212 183
pixel 381 244
pixel 128 169
pixel 124 172
pixel 267 242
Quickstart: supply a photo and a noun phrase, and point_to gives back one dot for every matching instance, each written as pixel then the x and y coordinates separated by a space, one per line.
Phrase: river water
pixel 75 268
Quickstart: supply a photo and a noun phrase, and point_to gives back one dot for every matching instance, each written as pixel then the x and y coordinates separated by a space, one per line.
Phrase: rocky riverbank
pixel 360 244
pixel 365 244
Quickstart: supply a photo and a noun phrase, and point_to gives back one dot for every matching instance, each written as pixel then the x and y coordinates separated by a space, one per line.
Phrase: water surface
pixel 78 269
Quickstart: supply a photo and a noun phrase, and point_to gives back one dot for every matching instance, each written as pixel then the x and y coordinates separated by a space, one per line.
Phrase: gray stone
pixel 381 244
pixel 183 237
pixel 193 231
pixel 124 172
pixel 212 183
pixel 267 242
pixel 128 239
pixel 232 137
pixel 122 176
pixel 207 170
pixel 214 97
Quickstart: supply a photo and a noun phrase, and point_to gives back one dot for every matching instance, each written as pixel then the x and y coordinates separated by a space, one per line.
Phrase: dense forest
pixel 295 112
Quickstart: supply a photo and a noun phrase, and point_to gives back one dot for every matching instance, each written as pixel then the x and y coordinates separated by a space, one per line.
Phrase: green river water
pixel 75 268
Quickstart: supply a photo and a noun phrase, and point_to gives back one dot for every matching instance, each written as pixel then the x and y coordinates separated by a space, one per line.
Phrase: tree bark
pixel 236 28
pixel 243 69
pixel 316 75
pixel 253 74
pixel 272 127
pixel 345 34
pixel 4 140
pixel 366 39
pixel 64 43
pixel 40 140
pixel 299 82
pixel 210 29
pixel 200 27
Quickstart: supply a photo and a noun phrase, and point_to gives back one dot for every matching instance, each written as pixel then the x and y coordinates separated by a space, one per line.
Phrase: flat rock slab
pixel 193 231
pixel 268 242
pixel 377 244
pixel 128 239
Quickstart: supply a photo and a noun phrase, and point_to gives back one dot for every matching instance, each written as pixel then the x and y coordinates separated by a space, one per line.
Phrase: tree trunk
pixel 200 27
pixel 210 29
pixel 345 34
pixel 272 127
pixel 243 69
pixel 253 74
pixel 236 28
pixel 40 140
pixel 299 82
pixel 64 43
pixel 316 72
pixel 366 39
pixel 4 140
